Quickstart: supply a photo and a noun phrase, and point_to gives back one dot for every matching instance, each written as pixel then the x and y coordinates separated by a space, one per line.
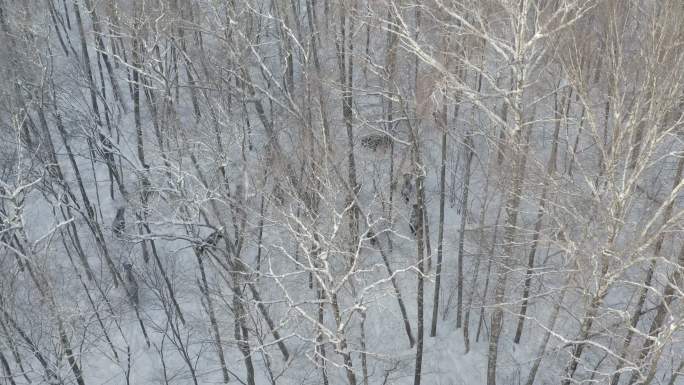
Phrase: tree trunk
pixel 464 218
pixel 442 123
pixel 397 293
pixel 519 159
pixel 550 170
pixel 420 258
pixel 545 341
pixel 204 288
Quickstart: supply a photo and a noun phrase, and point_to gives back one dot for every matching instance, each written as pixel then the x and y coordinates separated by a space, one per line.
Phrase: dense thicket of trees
pixel 293 191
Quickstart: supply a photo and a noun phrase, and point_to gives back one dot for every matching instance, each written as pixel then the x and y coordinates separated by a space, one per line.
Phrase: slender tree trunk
pixel 660 317
pixel 476 270
pixel 49 373
pixel 327 139
pixel 241 331
pixel 53 13
pixel 483 210
pixel 397 293
pixel 364 360
pixel 11 344
pixel 519 158
pixel 643 291
pixel 419 171
pixel 102 50
pixel 345 50
pixel 235 264
pixel 464 218
pixel 420 254
pixel 68 351
pixel 428 248
pixel 487 275
pixel 320 346
pixel 212 318
pixel 550 170
pixel 91 301
pixel 342 349
pixel 442 123
pixel 6 368
pixel 591 312
pixel 502 133
pixel 545 341
pixel 89 215
pixel 46 292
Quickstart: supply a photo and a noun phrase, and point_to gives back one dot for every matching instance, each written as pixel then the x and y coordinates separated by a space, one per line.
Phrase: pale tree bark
pixel 550 170
pixel 504 262
pixel 442 123
pixel 468 146
pixel 420 260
